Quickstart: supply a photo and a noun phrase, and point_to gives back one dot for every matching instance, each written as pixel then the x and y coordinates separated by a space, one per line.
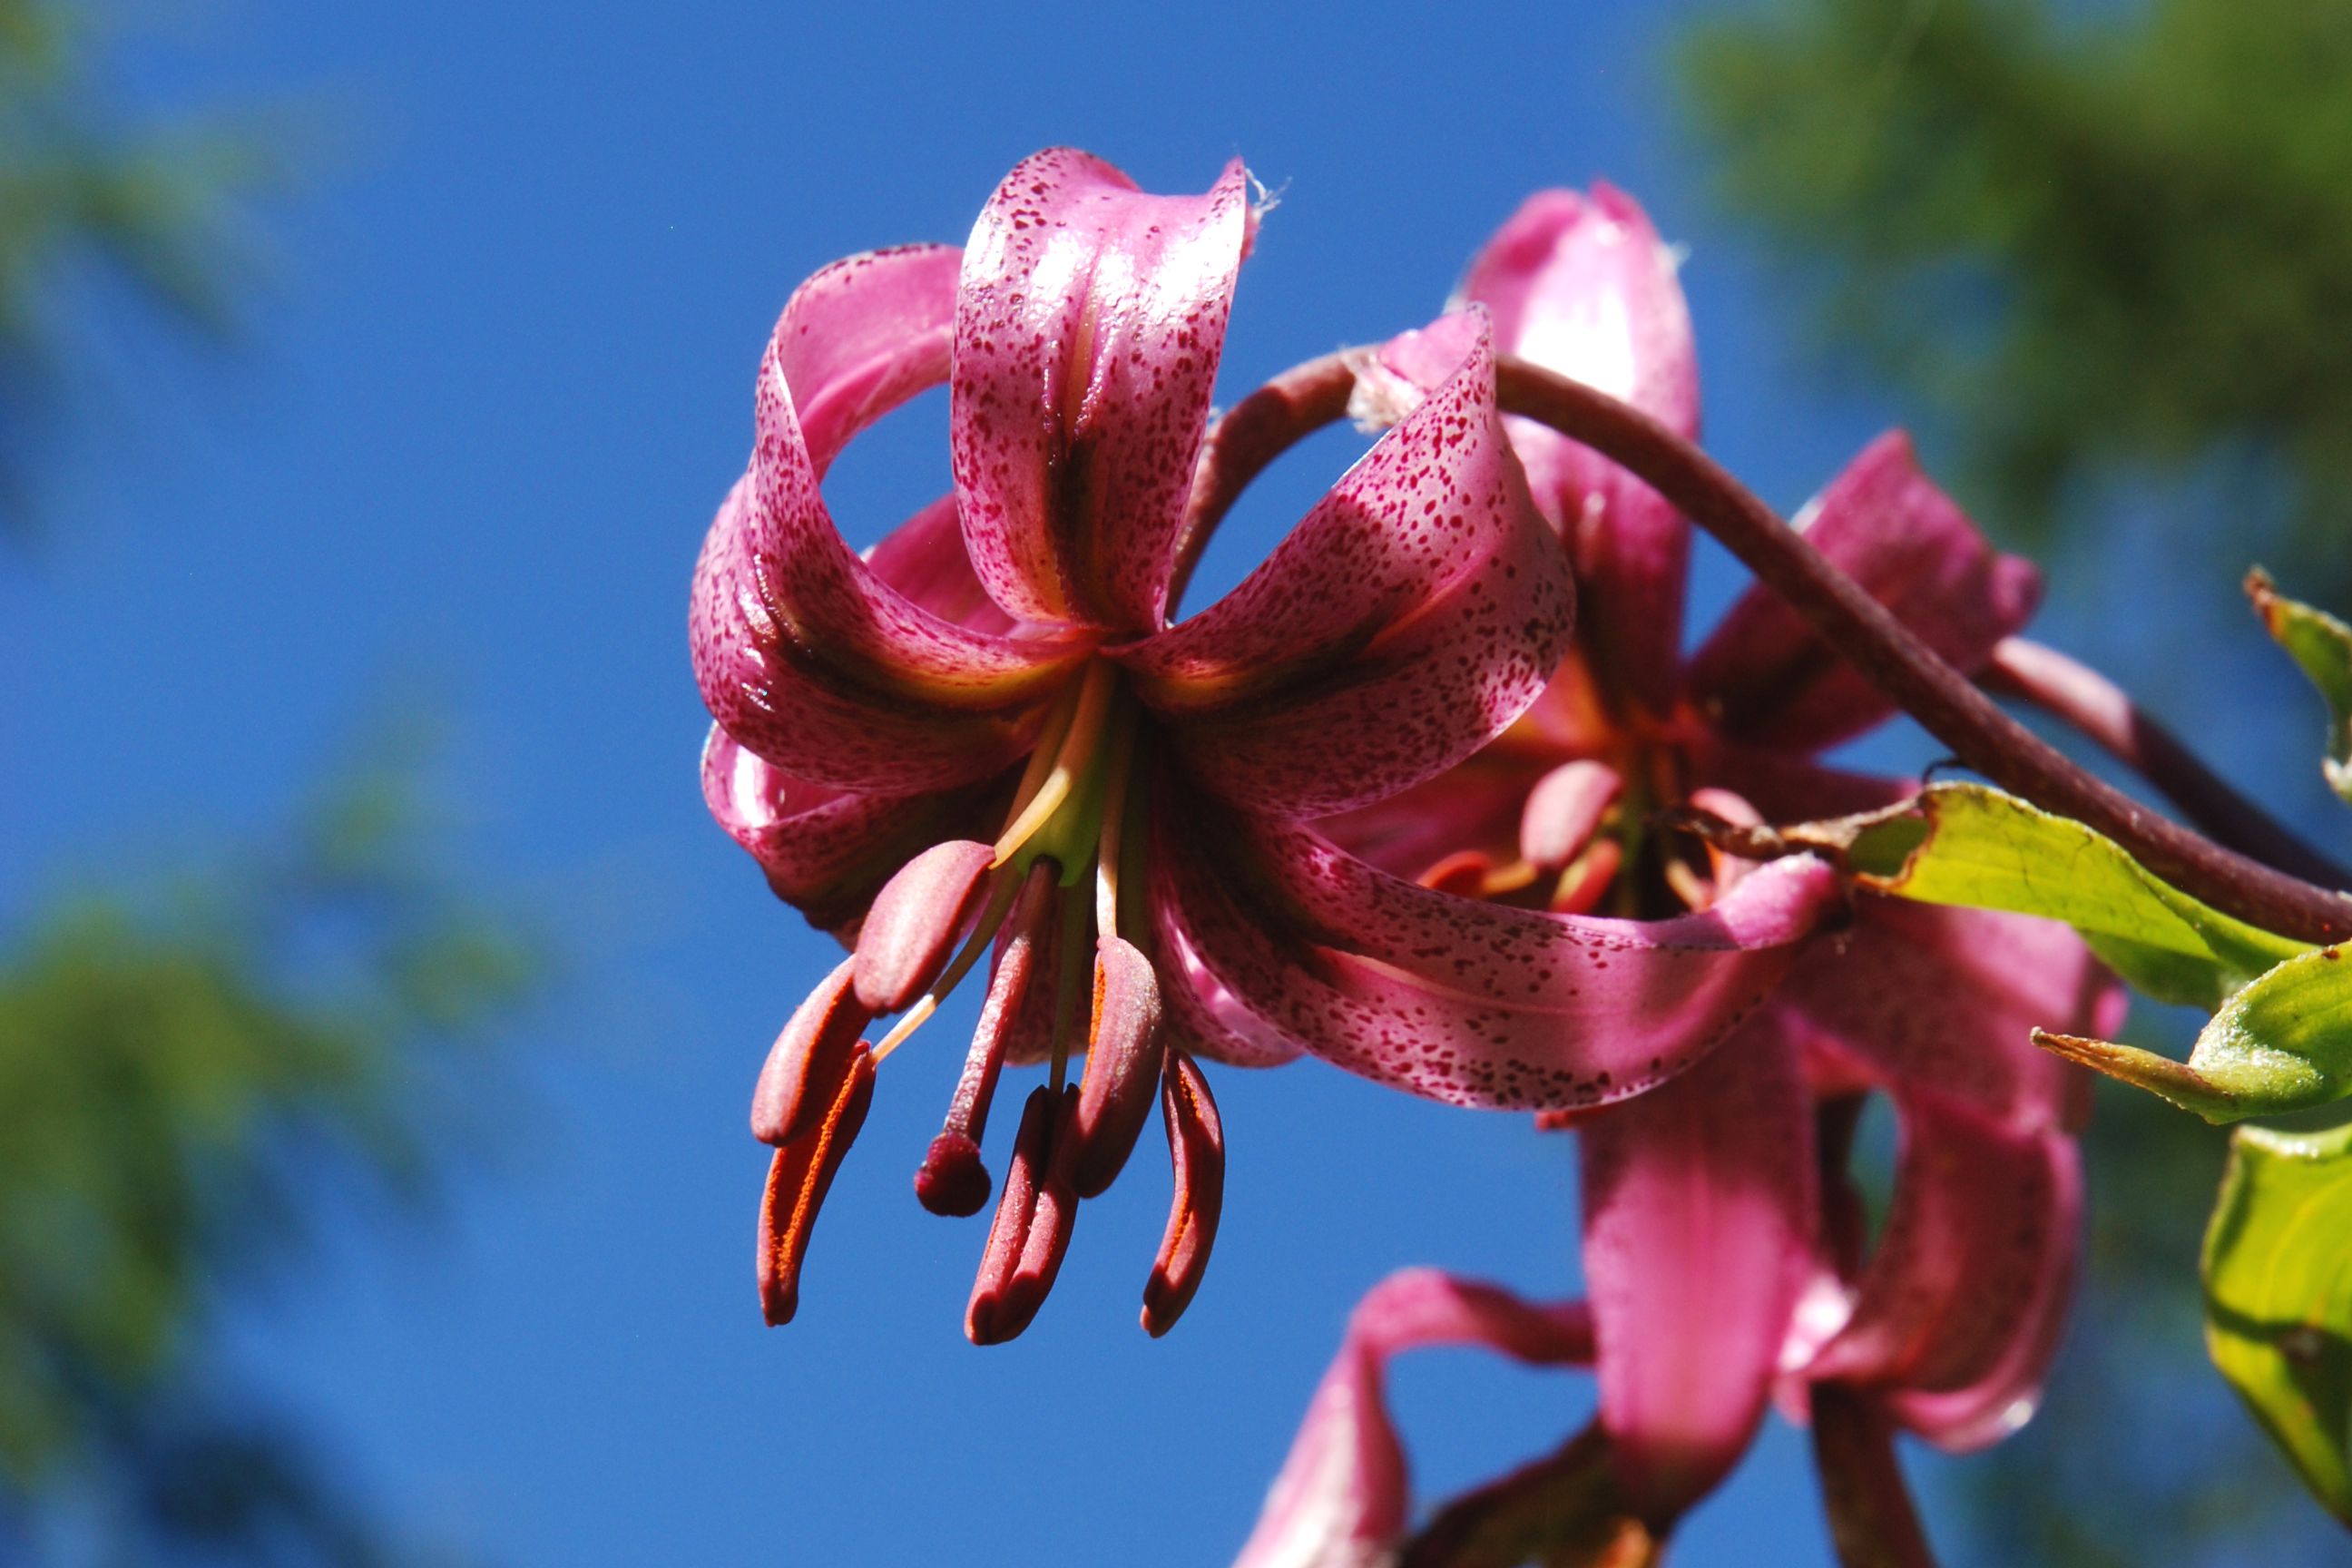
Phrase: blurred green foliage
pixel 195 1074
pixel 158 213
pixel 190 1078
pixel 2102 242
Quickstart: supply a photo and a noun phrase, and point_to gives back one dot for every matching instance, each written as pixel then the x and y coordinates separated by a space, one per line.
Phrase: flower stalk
pixel 1944 702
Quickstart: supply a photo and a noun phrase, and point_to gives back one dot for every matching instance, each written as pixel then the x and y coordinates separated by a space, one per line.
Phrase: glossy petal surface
pixel 1471 1002
pixel 1415 612
pixel 1698 1211
pixel 1087 331
pixel 826 851
pixel 804 652
pixel 1582 285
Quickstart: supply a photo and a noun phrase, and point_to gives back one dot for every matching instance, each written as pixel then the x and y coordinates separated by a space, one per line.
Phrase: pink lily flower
pixel 988 737
pixel 1703 1197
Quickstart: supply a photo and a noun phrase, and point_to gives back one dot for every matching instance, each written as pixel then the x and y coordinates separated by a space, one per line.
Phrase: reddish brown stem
pixel 1871 1522
pixel 1863 631
pixel 1940 697
pixel 2088 702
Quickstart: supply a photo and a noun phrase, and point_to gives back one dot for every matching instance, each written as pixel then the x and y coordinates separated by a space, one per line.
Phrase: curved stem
pixel 1893 659
pixel 1251 434
pixel 1860 629
pixel 2079 696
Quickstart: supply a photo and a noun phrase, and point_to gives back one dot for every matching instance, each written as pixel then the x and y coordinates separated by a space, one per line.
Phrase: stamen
pixel 953 1180
pixel 808 1059
pixel 1048 747
pixel 1502 882
pixel 1114 815
pixel 999 903
pixel 1196 1151
pixel 1123 1053
pixel 1727 869
pixel 1688 886
pixel 1070 759
pixel 1564 810
pixel 1033 1218
pixel 1462 873
pixel 1586 877
pixel 798 1179
pixel 915 919
pixel 1070 981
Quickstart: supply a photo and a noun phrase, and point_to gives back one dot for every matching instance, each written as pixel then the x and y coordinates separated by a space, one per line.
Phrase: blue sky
pixel 499 375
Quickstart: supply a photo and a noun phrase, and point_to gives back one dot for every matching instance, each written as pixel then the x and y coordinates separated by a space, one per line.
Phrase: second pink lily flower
pixel 986 739
pixel 1721 1248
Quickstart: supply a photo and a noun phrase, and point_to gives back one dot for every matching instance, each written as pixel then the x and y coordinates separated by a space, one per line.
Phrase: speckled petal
pixel 1914 996
pixel 1959 1307
pixel 826 851
pixel 1467 1002
pixel 1204 1019
pixel 1344 1493
pixel 1699 1206
pixel 805 653
pixel 1417 610
pixel 1883 523
pixel 1582 285
pixel 1088 327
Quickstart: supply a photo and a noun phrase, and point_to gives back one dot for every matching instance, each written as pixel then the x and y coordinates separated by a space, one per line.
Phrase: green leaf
pixel 2278 1295
pixel 2282 1044
pixel 1977 848
pixel 2322 646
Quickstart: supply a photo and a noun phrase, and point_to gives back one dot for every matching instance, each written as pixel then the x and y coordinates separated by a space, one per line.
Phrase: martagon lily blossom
pixel 989 739
pixel 1723 1247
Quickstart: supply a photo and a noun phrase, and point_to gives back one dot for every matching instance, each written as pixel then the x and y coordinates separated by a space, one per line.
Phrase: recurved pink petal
pixel 1204 1019
pixel 1344 1492
pixel 1698 1238
pixel 803 652
pixel 1915 996
pixel 1463 1001
pixel 826 851
pixel 1416 611
pixel 1959 1309
pixel 1883 523
pixel 1088 326
pixel 924 558
pixel 1584 286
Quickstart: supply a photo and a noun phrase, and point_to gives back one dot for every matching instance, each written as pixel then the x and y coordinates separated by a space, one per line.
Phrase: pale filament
pixel 1000 904
pixel 1070 760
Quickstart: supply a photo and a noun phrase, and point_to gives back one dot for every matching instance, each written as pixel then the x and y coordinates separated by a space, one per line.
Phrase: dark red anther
pixel 797 1180
pixel 912 928
pixel 953 1180
pixel 1123 1051
pixel 808 1061
pixel 1196 1148
pixel 1033 1217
